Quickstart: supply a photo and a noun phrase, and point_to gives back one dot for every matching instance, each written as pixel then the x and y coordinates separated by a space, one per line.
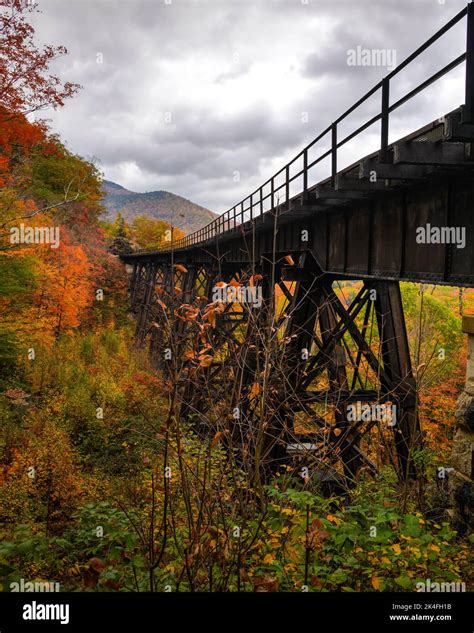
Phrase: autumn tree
pixel 65 288
pixel 26 84
pixel 149 233
pixel 119 234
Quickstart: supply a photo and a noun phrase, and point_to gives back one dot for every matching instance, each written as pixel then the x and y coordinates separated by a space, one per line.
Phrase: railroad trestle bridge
pixel 315 325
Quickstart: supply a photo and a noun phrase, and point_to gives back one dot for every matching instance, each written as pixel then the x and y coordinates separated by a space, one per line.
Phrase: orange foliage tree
pixel 65 288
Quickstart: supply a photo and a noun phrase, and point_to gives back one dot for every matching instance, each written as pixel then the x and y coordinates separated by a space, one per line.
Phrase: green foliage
pixel 149 233
pixel 9 351
pixel 16 275
pixel 17 279
pixel 119 235
pixel 431 326
pixel 61 174
pixel 24 551
pixel 362 546
pixel 90 379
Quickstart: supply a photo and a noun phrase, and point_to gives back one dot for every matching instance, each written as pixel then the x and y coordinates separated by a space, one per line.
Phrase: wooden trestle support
pixel 286 379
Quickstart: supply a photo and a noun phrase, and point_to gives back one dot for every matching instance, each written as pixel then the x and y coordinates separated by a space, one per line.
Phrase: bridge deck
pixel 367 220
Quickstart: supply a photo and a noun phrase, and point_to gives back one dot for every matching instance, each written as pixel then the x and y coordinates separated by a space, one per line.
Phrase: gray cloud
pixel 191 92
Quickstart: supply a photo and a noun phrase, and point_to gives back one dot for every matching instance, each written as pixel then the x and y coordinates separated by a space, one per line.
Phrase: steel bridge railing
pixel 252 207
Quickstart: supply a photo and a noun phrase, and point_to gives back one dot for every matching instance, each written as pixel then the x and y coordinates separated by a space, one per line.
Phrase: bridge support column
pixel 145 303
pixel 400 384
pixel 134 284
pixel 137 286
pixel 158 319
pixel 461 478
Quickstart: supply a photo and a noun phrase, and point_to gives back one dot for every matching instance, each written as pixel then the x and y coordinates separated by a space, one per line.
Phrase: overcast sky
pixel 207 99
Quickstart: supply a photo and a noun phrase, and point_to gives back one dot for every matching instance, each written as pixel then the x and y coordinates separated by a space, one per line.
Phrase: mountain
pixel 161 205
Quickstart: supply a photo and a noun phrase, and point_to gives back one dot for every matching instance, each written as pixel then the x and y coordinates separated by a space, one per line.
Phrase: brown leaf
pixel 254 390
pixel 265 583
pixel 216 438
pixel 181 268
pixel 16 394
pixel 90 578
pixel 190 314
pixel 210 316
pixel 97 564
pixel 315 582
pixel 205 361
pixel 112 584
pixel 243 574
pixel 316 524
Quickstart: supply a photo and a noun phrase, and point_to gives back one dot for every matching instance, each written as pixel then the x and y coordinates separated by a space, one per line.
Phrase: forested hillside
pixel 159 205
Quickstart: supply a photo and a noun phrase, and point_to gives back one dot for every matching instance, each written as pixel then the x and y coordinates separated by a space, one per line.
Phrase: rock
pixel 464 414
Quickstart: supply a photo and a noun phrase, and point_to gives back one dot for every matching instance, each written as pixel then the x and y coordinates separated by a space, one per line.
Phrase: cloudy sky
pixel 207 98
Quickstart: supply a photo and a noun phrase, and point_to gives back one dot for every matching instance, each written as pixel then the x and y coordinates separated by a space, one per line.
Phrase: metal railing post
pixel 468 110
pixel 385 120
pixel 305 174
pixel 333 153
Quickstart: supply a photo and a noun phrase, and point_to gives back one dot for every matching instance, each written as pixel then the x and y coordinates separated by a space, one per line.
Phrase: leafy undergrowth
pixel 301 542
pixel 100 510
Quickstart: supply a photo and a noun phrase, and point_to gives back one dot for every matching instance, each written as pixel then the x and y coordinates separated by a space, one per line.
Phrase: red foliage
pixel 25 82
